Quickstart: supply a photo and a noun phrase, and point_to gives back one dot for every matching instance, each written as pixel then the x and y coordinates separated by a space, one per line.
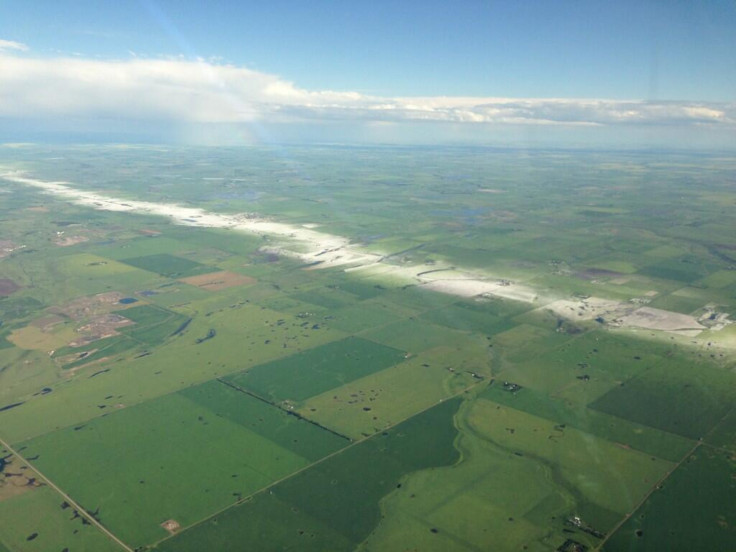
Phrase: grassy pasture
pixel 152 324
pixel 480 503
pixel 416 335
pixel 667 446
pixel 359 317
pixel 603 477
pixel 316 370
pixel 240 339
pixel 677 395
pixel 724 434
pixel 379 400
pixel 98 350
pixel 336 500
pixel 469 317
pixel 165 459
pixel 168 265
pixel 140 247
pixel 294 434
pixel 40 513
pixel 693 510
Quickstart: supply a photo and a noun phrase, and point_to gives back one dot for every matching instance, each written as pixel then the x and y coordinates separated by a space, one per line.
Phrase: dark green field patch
pixel 694 509
pixel 675 396
pixel 12 308
pixel 680 269
pixel 168 265
pixel 263 523
pixel 314 371
pixel 337 500
pixel 291 432
pixel 646 439
pixel 470 318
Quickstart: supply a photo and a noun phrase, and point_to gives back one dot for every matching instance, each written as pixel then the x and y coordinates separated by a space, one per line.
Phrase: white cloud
pixel 206 91
pixel 12 45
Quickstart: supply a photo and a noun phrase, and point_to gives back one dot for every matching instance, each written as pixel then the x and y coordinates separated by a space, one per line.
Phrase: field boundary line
pixel 70 500
pixel 316 462
pixel 288 412
pixel 654 487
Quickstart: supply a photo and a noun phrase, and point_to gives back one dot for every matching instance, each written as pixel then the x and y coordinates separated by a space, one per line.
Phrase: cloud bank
pixel 202 91
pixel 12 45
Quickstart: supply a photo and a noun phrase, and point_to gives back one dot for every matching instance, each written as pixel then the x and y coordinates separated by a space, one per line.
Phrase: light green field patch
pixel 85 264
pixel 595 470
pixel 720 279
pixel 24 373
pixel 570 412
pixel 479 503
pixel 584 367
pixel 415 336
pixel 615 265
pixel 164 459
pixel 40 513
pixel 239 342
pixel 474 519
pixel 526 342
pixel 362 316
pixel 665 252
pixel 380 400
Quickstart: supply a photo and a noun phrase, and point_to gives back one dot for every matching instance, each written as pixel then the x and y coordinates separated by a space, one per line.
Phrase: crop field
pixel 694 510
pixel 312 372
pixel 339 496
pixel 40 521
pixel 366 349
pixel 181 449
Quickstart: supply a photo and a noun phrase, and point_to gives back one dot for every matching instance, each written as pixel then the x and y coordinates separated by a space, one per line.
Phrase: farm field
pixel 366 349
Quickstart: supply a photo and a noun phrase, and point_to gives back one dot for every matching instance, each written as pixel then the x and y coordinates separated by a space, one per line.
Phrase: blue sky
pixel 670 52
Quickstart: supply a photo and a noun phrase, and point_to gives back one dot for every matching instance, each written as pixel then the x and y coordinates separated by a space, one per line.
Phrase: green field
pixel 311 372
pixel 168 265
pixel 693 510
pixel 169 458
pixel 350 407
pixel 38 521
pixel 336 502
pixel 283 428
pixel 669 398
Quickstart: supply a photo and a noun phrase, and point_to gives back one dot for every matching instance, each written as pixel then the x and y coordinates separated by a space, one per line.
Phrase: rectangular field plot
pixel 168 265
pixel 167 459
pixel 337 500
pixel 40 521
pixel 679 396
pixel 314 371
pixel 299 436
pixel 693 510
